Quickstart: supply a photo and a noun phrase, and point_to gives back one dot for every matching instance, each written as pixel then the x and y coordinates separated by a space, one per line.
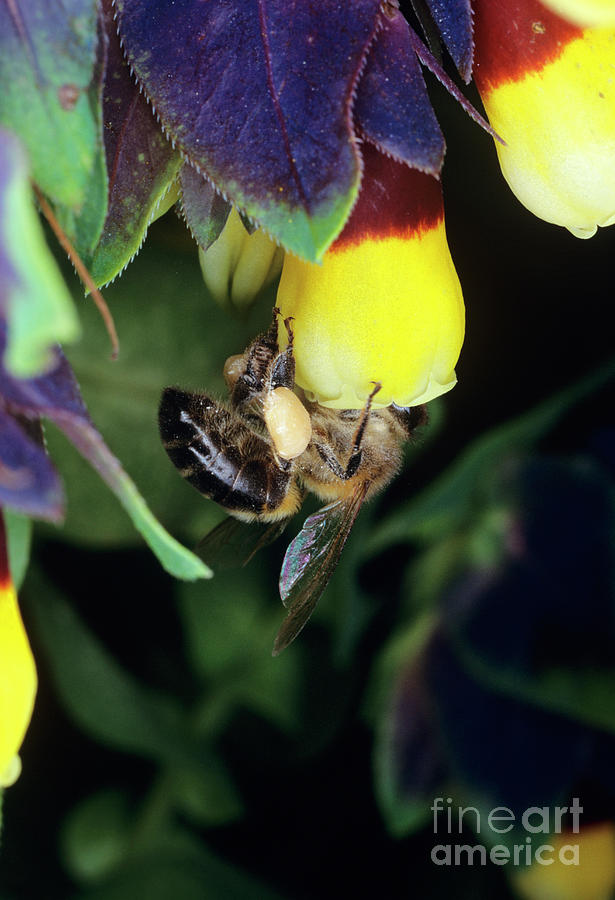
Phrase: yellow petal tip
pixel 11 772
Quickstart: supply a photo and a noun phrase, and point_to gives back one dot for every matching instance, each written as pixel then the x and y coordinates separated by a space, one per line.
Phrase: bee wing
pixel 310 561
pixel 233 542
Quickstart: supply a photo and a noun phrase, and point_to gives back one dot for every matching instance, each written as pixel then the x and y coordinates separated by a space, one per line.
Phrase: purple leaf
pixel 56 396
pixel 53 395
pixel 141 163
pixel 454 21
pixel 204 209
pixel 434 66
pixel 28 481
pixel 257 95
pixel 392 108
pixel 12 167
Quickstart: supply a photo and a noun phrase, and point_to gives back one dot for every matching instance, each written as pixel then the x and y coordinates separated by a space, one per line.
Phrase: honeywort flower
pixel 549 91
pixel 591 877
pixel 584 12
pixel 17 673
pixel 386 304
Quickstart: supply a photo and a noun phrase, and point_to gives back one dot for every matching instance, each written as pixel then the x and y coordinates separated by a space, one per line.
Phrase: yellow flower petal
pixel 592 879
pixel 556 114
pixel 388 311
pixel 17 675
pixel 384 306
pixel 586 13
pixel 559 126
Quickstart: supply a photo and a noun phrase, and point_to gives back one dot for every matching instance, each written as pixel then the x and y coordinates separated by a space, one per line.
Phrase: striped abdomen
pixel 219 455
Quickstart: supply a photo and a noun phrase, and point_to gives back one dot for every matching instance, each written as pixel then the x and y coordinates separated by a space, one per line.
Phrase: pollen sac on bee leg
pixel 288 422
pixel 234 367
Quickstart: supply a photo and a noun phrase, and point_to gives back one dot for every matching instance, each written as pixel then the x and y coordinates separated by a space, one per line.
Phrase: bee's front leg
pixel 282 370
pixel 248 374
pixel 354 460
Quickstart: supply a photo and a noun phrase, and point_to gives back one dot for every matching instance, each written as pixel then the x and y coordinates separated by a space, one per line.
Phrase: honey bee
pixel 258 455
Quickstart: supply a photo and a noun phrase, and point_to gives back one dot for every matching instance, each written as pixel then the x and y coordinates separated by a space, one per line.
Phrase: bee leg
pixel 354 460
pixel 274 325
pixel 289 328
pixel 282 370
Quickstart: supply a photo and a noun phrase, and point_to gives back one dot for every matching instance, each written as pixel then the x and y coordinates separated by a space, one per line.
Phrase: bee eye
pixel 234 367
pixel 288 422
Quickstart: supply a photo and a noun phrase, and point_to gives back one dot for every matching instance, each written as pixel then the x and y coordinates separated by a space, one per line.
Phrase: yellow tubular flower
pixel 17 674
pixel 549 90
pixel 239 265
pixel 579 867
pixel 586 13
pixel 385 305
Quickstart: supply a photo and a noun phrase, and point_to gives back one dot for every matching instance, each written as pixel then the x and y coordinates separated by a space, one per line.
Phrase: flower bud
pixel 17 674
pixel 385 305
pixel 548 89
pixel 239 265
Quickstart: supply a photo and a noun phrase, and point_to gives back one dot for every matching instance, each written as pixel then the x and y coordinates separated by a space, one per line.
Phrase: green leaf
pixel 205 792
pixel 47 57
pixel 84 224
pixel 141 163
pixel 447 503
pixel 229 627
pixel 184 868
pixel 38 305
pixel 19 538
pixel 56 397
pixel 551 595
pixel 95 836
pixel 582 693
pixel 100 696
pixel 84 228
pixel 202 206
pixel 402 814
pixel 176 559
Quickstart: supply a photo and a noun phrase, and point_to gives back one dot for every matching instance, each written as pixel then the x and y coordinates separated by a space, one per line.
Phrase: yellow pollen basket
pixel 288 422
pixel 386 310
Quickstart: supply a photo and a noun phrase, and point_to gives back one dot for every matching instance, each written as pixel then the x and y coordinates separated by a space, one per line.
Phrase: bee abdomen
pixel 219 455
